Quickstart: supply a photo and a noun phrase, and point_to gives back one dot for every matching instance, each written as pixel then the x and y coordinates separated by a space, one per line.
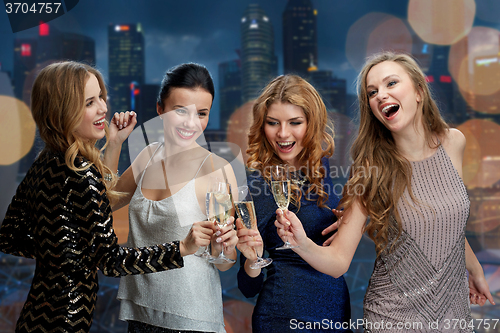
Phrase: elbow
pixel 340 270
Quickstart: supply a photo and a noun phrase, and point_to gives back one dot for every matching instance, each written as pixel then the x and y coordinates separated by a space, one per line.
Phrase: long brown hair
pixel 375 149
pixel 58 108
pixel 318 141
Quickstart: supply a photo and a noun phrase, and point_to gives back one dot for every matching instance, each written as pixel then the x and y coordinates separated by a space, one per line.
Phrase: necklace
pixel 297 178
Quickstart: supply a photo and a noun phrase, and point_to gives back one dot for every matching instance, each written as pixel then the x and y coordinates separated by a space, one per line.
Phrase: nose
pixel 283 131
pixel 103 107
pixel 190 120
pixel 382 95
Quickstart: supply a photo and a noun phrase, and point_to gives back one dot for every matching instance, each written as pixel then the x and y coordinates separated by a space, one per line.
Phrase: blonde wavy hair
pixel 317 143
pixel 375 147
pixel 58 108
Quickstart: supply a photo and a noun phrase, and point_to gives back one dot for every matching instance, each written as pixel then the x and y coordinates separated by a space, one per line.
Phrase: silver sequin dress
pixel 190 300
pixel 422 284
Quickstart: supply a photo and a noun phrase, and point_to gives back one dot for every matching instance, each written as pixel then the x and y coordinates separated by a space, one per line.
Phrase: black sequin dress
pixel 63 219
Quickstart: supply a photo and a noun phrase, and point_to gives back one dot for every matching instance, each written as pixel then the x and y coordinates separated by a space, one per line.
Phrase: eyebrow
pixel 384 79
pixel 296 118
pixel 91 98
pixel 183 107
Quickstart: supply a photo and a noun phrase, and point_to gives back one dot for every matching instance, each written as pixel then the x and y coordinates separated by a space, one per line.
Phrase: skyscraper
pixel 299 37
pixel 24 63
pixel 126 73
pixel 126 64
pixel 229 90
pixel 258 61
pixel 331 89
pixel 30 55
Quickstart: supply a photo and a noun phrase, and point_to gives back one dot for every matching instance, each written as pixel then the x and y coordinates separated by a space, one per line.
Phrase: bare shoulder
pixel 454 141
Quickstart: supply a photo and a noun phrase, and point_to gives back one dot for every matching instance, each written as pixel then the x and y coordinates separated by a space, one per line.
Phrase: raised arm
pixel 334 259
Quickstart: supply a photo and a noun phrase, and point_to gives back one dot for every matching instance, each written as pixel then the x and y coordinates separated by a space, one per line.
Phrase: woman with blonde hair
pixel 61 212
pixel 407 177
pixel 291 128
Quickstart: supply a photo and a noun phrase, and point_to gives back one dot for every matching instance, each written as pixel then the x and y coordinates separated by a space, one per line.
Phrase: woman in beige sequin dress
pixel 407 177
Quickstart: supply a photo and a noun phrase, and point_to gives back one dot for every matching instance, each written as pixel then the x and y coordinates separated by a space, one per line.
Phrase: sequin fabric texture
pixel 422 283
pixel 63 220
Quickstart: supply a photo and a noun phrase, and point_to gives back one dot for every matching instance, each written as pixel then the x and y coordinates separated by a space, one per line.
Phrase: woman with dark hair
pixel 166 188
pixel 61 213
pixel 290 128
pixel 407 177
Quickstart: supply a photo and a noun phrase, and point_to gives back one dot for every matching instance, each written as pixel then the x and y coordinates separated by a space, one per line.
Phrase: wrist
pixel 182 249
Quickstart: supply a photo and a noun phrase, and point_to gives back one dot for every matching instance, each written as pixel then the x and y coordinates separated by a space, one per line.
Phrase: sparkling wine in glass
pixel 219 205
pixel 246 212
pixel 280 186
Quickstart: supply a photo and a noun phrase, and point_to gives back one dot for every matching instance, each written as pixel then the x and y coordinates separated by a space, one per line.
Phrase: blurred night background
pixel 244 44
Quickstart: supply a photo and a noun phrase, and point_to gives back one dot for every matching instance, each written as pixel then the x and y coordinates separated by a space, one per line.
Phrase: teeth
pixel 184 133
pixel 387 107
pixel 99 122
pixel 284 144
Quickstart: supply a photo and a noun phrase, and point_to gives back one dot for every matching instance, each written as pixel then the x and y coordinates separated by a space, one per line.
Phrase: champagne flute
pixel 246 212
pixel 219 205
pixel 280 186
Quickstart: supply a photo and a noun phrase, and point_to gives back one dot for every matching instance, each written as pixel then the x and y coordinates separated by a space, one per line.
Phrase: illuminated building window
pixel 43 29
pixel 25 50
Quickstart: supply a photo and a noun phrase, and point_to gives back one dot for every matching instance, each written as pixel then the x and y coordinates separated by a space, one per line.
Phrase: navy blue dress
pixel 294 296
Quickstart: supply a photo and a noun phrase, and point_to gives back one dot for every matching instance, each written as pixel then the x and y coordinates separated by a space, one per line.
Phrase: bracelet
pixel 107 176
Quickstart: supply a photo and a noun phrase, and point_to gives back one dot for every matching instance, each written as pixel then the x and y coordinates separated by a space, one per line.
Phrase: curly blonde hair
pixel 318 141
pixel 375 147
pixel 58 108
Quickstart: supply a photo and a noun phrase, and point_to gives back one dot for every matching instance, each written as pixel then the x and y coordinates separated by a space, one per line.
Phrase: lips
pixel 285 146
pixel 100 123
pixel 389 110
pixel 185 134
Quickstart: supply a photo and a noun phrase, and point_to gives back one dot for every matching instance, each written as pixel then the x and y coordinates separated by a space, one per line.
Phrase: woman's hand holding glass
pixel 199 235
pixel 247 229
pixel 290 228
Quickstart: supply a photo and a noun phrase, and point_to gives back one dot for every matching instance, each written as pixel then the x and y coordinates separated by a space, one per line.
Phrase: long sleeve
pixel 16 236
pixel 98 240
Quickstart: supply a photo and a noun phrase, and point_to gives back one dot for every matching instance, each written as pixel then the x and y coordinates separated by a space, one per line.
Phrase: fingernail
pixel 124 124
pixel 217 233
pixel 121 126
pixel 218 240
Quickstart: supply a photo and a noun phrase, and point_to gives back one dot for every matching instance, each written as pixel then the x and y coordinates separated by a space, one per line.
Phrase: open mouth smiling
pixel 285 146
pixel 390 110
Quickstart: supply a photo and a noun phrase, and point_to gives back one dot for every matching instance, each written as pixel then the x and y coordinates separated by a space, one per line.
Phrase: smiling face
pixel 285 128
pixel 392 96
pixel 185 115
pixel 92 125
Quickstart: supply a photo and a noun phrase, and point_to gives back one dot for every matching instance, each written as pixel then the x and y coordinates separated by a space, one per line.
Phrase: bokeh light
pixel 17 130
pixel 481 165
pixel 442 22
pixel 474 63
pixel 358 37
pixel 392 34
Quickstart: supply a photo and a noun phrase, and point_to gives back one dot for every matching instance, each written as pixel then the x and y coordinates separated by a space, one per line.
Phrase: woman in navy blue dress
pixel 290 127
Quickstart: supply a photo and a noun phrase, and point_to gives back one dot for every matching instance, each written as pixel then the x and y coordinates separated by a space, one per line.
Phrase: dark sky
pixel 204 31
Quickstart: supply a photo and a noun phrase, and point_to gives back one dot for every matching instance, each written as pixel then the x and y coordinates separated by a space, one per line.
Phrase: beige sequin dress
pixel 421 286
